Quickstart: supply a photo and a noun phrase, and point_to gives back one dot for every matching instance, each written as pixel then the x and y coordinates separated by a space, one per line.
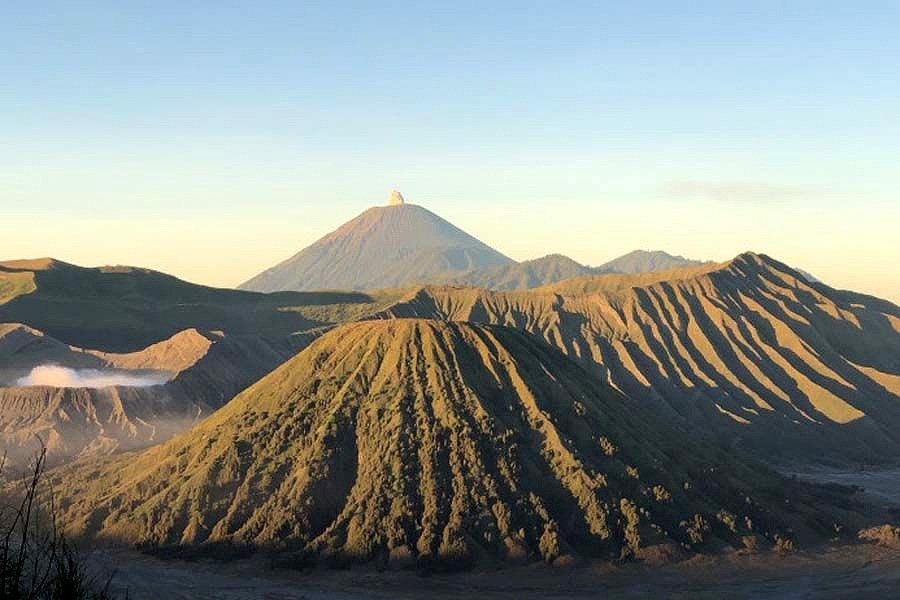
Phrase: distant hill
pixel 646 261
pixel 521 276
pixel 749 350
pixel 384 247
pixel 438 444
pixel 550 269
pixel 124 309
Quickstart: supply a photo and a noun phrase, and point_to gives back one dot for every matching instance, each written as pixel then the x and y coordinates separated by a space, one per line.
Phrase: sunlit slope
pixel 747 349
pixel 430 441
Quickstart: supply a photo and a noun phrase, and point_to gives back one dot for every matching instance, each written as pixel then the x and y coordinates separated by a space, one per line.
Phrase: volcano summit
pixel 384 247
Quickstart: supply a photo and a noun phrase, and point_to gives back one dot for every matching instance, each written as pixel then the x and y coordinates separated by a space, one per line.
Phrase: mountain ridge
pixel 748 349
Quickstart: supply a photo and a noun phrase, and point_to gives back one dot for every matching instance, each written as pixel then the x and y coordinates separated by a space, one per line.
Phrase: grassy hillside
pixel 124 309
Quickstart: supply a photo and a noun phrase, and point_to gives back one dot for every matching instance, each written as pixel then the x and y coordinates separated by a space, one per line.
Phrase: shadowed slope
pixel 126 309
pixel 748 349
pixel 430 441
pixel 384 247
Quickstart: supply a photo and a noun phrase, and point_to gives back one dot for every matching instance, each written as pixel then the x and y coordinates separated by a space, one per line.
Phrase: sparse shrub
pixel 632 535
pixel 549 543
pixel 783 544
pixel 886 535
pixel 695 529
pixel 607 446
pixel 632 472
pixel 661 493
pixel 751 543
pixel 36 561
pixel 728 520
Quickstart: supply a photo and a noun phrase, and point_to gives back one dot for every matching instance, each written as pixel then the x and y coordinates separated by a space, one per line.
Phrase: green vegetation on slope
pixel 122 309
pixel 14 284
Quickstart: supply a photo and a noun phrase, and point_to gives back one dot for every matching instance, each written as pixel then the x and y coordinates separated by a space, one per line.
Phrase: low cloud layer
pixel 62 377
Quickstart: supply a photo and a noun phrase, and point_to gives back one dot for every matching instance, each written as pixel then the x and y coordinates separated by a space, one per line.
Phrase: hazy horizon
pixel 213 144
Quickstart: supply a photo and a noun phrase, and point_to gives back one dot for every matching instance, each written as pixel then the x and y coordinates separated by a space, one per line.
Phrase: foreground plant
pixel 37 562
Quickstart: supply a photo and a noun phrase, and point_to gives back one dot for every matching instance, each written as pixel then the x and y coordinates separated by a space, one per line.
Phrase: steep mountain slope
pixel 521 276
pixel 646 261
pixel 384 247
pixel 124 309
pixel 429 441
pixel 749 350
pixel 201 372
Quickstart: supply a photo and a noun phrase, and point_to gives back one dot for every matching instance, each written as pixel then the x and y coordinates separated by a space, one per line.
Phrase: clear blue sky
pixel 211 139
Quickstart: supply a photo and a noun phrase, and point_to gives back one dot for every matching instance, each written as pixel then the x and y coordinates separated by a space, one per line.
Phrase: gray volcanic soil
pixel 863 571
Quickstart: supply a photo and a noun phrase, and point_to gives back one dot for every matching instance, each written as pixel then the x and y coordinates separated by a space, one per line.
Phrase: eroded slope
pixel 749 350
pixel 426 441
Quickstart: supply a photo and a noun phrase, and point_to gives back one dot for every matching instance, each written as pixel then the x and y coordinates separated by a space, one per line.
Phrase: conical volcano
pixel 384 247
pixel 428 441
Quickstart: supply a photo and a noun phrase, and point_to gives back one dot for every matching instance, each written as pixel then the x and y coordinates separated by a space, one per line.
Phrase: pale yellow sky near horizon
pixel 857 253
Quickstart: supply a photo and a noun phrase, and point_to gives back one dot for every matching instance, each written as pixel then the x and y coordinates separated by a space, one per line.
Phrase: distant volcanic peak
pixel 384 247
pixel 396 199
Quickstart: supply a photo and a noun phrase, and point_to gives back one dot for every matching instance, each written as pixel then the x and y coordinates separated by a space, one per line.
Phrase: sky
pixel 211 140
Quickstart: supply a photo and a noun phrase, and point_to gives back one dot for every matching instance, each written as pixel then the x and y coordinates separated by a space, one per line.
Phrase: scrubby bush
pixel 783 544
pixel 36 561
pixel 609 449
pixel 632 534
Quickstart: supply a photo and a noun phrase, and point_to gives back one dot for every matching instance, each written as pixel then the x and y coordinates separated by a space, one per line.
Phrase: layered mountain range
pixel 479 411
pixel 402 244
